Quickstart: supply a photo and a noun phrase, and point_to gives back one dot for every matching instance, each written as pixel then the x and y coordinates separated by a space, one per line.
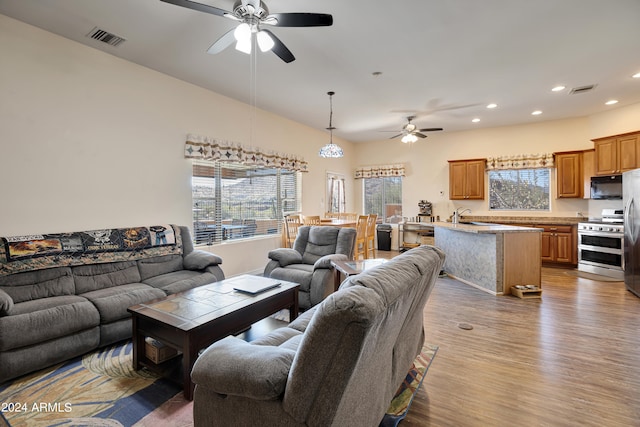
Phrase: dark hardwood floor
pixel 571 358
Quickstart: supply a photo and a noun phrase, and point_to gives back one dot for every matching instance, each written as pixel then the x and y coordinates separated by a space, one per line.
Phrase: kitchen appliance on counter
pixel 600 244
pixel 630 201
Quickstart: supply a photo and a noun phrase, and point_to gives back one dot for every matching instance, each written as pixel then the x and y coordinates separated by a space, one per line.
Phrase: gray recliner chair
pixel 309 261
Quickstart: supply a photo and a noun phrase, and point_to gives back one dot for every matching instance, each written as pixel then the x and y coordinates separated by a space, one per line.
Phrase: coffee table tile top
pixel 200 302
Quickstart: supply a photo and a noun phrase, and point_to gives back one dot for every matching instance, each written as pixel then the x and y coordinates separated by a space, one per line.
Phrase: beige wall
pixel 427 160
pixel 88 141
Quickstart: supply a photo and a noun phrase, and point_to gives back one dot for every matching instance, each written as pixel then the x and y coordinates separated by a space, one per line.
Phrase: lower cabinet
pixel 559 244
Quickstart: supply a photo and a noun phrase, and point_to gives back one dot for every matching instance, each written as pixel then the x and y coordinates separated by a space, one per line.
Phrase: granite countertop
pixel 480 228
pixel 529 220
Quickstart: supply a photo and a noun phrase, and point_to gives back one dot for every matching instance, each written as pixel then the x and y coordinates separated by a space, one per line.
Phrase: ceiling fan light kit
pixel 409 138
pixel 331 150
pixel 251 14
pixel 410 132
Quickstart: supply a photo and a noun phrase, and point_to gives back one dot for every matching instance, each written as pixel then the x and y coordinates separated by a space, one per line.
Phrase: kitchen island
pixel 490 257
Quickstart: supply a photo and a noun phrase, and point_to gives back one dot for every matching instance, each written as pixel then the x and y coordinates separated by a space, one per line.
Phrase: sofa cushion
pixel 156 266
pixel 32 322
pixel 6 303
pixel 296 273
pixel 199 260
pixel 242 369
pixel 99 276
pixel 179 281
pixel 322 241
pixel 112 303
pixel 38 284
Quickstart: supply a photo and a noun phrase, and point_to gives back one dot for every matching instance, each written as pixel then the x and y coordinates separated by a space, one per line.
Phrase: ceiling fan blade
pixel 420 135
pixel 280 49
pixel 430 129
pixel 395 136
pixel 223 42
pixel 302 19
pixel 199 7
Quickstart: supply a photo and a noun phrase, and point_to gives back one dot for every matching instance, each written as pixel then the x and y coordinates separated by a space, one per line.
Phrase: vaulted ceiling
pixel 442 60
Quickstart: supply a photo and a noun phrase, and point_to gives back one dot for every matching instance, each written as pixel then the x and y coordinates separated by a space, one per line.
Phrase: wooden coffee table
pixel 190 321
pixel 349 268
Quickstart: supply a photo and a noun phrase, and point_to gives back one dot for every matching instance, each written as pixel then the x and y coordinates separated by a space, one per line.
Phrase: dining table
pixel 338 222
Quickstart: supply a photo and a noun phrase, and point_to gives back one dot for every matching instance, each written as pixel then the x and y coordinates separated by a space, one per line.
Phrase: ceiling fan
pixel 251 14
pixel 410 133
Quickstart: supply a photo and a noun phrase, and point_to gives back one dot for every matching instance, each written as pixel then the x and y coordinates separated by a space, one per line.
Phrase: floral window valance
pixel 521 161
pixel 379 171
pixel 206 148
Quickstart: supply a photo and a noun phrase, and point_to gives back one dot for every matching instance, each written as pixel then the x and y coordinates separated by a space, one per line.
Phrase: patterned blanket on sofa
pixel 34 252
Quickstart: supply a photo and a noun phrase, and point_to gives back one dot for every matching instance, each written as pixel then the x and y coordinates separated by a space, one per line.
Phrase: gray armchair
pixel 309 261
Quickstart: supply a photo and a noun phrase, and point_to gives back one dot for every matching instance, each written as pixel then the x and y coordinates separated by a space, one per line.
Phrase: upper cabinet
pixel 617 154
pixel 569 174
pixel 466 179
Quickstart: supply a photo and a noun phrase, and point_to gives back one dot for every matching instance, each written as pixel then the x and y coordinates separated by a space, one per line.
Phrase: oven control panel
pixel 608 228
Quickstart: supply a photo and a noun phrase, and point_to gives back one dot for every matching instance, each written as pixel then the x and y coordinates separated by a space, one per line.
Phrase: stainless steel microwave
pixel 606 187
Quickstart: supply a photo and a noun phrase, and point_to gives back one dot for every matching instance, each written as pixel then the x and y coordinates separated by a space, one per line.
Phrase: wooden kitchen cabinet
pixel 617 154
pixel 466 179
pixel 569 174
pixel 559 244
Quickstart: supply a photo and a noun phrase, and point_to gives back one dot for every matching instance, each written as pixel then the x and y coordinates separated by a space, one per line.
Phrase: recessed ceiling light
pixel 536 113
pixel 611 102
pixel 476 120
pixel 636 76
pixel 558 88
pixel 492 105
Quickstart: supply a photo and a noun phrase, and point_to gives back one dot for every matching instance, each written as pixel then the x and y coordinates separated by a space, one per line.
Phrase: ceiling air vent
pixel 105 37
pixel 582 89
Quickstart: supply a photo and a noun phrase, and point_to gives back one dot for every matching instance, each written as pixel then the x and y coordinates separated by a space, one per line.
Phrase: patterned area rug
pixel 404 396
pixel 98 389
pixel 101 389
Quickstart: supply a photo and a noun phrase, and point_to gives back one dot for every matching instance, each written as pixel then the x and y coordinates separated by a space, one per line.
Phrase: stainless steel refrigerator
pixel 631 202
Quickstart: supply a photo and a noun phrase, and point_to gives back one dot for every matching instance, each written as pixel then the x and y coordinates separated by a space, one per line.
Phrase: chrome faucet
pixel 457 214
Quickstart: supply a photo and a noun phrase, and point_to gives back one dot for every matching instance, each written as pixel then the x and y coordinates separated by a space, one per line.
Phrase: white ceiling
pixel 434 56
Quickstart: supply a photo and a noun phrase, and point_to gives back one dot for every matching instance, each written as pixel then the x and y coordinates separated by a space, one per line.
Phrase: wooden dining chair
pixel 370 247
pixel 311 220
pixel 291 225
pixel 350 216
pixel 361 237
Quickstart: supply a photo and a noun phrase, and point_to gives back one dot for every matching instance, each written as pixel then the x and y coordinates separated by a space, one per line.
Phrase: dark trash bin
pixel 384 237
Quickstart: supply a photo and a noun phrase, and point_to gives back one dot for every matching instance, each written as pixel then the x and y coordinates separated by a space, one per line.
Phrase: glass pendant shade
pixel 409 138
pixel 265 42
pixel 331 150
pixel 242 34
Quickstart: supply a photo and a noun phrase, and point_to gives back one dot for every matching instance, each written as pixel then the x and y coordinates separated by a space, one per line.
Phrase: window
pixel 336 200
pixel 519 189
pixel 232 201
pixel 383 197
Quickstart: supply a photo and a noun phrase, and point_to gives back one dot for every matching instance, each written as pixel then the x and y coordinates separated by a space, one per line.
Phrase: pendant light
pixel 331 150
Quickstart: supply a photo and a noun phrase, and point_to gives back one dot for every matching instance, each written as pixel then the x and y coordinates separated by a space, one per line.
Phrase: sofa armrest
pixel 325 261
pixel 285 256
pixel 199 260
pixel 232 366
pixel 6 303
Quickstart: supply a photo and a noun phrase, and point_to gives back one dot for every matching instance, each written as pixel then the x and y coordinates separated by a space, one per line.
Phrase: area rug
pixel 101 389
pixel 406 392
pixel 591 276
pixel 98 389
